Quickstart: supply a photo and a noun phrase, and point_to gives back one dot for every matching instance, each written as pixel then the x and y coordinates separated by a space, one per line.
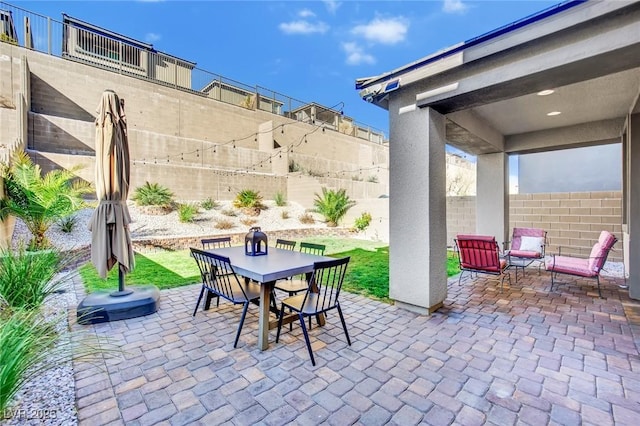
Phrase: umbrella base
pixel 102 306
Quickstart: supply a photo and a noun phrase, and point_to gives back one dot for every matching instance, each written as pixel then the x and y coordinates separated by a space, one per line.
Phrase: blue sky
pixel 312 51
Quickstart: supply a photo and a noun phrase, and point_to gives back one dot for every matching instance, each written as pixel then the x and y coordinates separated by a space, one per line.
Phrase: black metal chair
pixel 295 285
pixel 219 280
pixel 214 243
pixel 321 296
pixel 285 244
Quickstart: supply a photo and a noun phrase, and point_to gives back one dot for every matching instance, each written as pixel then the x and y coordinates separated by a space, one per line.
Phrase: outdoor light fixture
pixel 255 242
pixel 552 113
pixel 545 92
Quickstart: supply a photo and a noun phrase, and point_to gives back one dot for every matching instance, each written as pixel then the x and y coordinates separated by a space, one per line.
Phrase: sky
pixel 312 51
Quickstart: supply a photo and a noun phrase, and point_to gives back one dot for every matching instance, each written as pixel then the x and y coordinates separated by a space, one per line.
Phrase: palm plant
pixel 38 200
pixel 333 205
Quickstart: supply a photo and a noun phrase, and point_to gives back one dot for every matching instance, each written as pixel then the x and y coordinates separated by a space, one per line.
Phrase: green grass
pixel 367 274
pixel 166 269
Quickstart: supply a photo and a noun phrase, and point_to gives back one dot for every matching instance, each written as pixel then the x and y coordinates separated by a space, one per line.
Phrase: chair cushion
pixel 533 244
pixel 570 265
pixel 527 254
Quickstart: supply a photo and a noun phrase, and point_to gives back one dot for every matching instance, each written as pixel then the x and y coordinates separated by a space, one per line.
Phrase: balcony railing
pixel 124 56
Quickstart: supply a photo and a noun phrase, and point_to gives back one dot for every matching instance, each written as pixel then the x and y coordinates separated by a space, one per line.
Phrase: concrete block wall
pixel 572 220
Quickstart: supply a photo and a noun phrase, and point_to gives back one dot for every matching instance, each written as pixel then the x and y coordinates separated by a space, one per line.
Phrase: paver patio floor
pixel 521 356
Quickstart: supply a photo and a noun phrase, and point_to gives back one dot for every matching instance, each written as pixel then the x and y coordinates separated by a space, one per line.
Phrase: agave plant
pixel 333 205
pixel 249 201
pixel 40 201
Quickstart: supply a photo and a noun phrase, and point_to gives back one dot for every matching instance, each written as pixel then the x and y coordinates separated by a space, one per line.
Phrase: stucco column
pixel 633 219
pixel 417 210
pixel 492 196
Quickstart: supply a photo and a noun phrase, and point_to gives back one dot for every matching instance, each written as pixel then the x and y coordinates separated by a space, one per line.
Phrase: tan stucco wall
pixel 572 220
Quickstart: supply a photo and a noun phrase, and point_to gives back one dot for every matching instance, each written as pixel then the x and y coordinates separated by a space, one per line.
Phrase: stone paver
pixel 520 356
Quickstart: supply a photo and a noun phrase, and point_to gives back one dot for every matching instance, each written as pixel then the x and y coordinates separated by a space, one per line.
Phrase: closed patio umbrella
pixel 111 240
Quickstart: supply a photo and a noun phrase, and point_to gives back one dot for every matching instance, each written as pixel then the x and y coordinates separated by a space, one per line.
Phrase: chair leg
pixel 306 338
pixel 344 324
pixel 244 313
pixel 280 323
pixel 552 274
pixel 199 300
pixel 598 281
pixel 460 276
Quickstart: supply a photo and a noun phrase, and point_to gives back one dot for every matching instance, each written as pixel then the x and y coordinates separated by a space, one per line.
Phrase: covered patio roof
pixel 485 96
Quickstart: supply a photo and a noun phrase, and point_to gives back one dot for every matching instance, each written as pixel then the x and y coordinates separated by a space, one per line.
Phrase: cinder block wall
pixel 572 220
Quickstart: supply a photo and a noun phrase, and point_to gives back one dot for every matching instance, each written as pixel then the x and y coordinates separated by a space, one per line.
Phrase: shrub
pixel 356 178
pixel 372 179
pixel 223 224
pixel 363 221
pixel 209 204
pixel 306 218
pixel 284 214
pixel 314 173
pixel 27 278
pixel 333 205
pixel 248 198
pixel 279 199
pixel 248 221
pixel 229 212
pixel 153 194
pixel 187 212
pixel 31 345
pixel 68 223
pixel 40 201
pixel 294 167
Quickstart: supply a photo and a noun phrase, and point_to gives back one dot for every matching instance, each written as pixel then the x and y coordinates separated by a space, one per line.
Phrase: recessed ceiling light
pixel 545 92
pixel 552 113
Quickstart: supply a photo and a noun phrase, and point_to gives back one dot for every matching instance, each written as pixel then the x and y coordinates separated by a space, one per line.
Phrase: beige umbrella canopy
pixel 111 240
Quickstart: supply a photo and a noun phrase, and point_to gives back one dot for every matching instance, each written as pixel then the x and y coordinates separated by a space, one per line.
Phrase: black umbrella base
pixel 104 306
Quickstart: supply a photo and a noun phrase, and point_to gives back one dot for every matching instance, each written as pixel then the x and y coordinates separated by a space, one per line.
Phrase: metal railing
pixel 85 44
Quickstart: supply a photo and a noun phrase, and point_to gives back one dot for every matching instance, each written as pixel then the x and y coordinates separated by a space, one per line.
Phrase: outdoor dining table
pixel 266 270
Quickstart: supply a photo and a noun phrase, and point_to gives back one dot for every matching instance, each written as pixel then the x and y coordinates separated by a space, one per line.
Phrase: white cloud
pixel 306 13
pixel 303 27
pixel 385 31
pixel 356 55
pixel 332 6
pixel 152 37
pixel 454 6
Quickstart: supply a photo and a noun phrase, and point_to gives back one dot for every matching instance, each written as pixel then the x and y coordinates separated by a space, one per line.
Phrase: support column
pixel 417 210
pixel 633 218
pixel 492 196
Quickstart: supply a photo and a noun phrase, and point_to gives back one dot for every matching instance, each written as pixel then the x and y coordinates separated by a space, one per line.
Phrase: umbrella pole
pixel 121 289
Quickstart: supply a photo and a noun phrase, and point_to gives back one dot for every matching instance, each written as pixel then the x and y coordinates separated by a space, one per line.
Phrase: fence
pixel 79 41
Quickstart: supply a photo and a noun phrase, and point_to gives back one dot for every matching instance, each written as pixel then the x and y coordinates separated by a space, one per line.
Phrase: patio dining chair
pixel 583 267
pixel 214 243
pixel 285 244
pixel 480 254
pixel 219 280
pixel 320 297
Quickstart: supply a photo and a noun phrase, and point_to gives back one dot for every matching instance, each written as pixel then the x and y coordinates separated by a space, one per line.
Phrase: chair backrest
pixel 326 280
pixel 531 233
pixel 478 252
pixel 214 243
pixel 312 248
pixel 218 275
pixel 601 250
pixel 285 244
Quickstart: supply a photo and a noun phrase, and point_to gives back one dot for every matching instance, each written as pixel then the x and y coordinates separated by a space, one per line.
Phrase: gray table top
pixel 275 265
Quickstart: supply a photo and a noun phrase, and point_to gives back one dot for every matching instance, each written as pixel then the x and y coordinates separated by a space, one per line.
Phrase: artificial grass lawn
pixel 367 274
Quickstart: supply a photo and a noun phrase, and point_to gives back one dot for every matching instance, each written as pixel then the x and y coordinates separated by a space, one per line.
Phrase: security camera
pixel 369 98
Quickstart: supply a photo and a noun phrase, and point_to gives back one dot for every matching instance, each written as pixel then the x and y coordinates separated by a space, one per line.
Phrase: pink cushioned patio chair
pixel 581 267
pixel 527 244
pixel 480 254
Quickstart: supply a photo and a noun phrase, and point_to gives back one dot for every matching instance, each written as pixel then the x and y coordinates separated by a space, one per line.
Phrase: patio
pixel 520 356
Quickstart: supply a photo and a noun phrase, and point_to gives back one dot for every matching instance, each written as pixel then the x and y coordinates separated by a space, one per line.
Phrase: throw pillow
pixel 531 244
